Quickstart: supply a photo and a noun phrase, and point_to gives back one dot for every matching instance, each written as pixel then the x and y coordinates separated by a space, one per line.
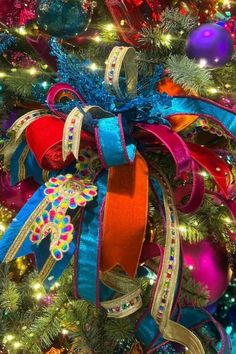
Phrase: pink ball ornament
pixel 14 197
pixel 209 266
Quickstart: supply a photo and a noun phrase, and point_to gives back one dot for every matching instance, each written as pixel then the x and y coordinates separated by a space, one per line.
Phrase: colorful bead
pixel 69 191
pixel 58 226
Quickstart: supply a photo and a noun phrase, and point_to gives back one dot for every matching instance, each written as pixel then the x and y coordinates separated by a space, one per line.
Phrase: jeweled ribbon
pixel 118 58
pixel 165 288
pixel 127 304
pixel 15 133
pixel 72 134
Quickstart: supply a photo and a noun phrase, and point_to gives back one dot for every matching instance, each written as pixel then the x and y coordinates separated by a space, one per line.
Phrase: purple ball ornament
pixel 210 45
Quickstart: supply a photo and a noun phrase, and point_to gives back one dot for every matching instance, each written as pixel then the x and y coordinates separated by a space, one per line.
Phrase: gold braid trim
pixel 48 266
pixel 170 330
pixel 118 58
pixel 124 305
pixel 21 171
pixel 24 231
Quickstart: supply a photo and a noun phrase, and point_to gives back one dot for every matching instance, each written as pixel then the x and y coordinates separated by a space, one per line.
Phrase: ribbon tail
pixel 88 248
pixel 127 197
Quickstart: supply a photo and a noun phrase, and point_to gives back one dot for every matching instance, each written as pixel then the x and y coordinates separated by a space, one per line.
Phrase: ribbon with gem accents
pixel 49 216
pixel 118 58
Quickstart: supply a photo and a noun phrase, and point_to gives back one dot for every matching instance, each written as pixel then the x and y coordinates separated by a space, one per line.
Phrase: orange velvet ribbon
pixel 180 122
pixel 125 216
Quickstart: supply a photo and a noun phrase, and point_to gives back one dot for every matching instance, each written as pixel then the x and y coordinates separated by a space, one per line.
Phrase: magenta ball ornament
pixel 210 45
pixel 209 266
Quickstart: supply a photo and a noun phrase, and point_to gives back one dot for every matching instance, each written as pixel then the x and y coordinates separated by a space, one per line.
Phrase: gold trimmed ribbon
pixel 20 237
pixel 124 305
pixel 122 57
pixel 15 133
pixel 164 293
pixel 72 133
pixel 73 127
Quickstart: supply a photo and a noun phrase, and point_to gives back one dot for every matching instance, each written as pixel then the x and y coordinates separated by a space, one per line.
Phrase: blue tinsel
pixel 147 106
pixel 6 41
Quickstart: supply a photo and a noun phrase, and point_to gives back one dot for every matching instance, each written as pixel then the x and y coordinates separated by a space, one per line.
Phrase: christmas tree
pixel 117 176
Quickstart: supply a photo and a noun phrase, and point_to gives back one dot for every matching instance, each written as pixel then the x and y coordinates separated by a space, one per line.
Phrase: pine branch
pixel 20 83
pixel 192 293
pixel 188 74
pixel 193 228
pixel 174 22
pixel 10 296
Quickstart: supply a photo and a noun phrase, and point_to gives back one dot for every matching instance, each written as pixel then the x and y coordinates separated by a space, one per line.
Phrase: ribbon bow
pixel 111 229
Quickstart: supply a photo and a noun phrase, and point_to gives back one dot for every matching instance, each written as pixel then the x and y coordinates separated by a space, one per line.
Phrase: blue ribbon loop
pixel 200 106
pixel 115 145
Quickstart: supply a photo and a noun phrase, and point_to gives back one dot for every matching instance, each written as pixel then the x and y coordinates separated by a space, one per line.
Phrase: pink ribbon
pixel 174 143
pixel 54 91
pixel 196 191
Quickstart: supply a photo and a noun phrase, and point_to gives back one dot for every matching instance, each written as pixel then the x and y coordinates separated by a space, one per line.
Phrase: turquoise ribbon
pixel 115 146
pixel 192 318
pixel 87 256
pixel 17 224
pixel 203 107
pixel 41 255
pixel 32 169
pixel 41 251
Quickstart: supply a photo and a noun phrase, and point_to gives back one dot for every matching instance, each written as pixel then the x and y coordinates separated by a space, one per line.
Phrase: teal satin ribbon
pixel 87 257
pixel 17 224
pixel 203 107
pixel 192 318
pixel 41 251
pixel 32 169
pixel 115 147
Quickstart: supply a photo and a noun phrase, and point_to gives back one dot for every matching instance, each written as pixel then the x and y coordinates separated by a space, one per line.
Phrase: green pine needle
pixel 10 296
pixel 20 83
pixel 188 74
pixel 174 22
pixel 192 292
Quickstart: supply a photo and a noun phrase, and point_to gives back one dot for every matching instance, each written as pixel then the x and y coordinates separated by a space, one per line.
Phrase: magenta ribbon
pixel 196 191
pixel 54 91
pixel 174 143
